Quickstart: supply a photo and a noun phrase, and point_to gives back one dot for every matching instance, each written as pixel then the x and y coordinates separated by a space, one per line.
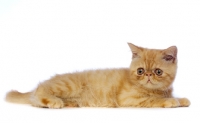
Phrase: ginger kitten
pixel 147 83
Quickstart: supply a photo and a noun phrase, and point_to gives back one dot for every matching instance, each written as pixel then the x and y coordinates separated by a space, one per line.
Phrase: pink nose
pixel 148 74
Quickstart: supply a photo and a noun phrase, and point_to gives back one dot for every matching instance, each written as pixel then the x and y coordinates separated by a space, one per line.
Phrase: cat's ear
pixel 170 54
pixel 135 50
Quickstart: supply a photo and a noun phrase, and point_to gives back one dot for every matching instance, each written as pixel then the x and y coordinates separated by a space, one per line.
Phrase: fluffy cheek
pixel 136 78
pixel 143 80
pixel 140 80
pixel 163 81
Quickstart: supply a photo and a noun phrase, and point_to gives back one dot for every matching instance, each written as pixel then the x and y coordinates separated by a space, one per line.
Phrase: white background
pixel 41 38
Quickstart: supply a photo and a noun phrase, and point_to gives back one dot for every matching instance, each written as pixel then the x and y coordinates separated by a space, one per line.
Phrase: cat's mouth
pixel 149 82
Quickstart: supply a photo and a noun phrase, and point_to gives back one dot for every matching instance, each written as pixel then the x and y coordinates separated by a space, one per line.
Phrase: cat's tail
pixel 18 97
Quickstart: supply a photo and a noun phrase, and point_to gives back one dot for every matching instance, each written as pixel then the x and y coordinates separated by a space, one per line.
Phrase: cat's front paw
pixel 171 103
pixel 184 102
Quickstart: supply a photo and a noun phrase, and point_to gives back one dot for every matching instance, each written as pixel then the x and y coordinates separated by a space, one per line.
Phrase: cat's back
pixel 96 76
pixel 106 76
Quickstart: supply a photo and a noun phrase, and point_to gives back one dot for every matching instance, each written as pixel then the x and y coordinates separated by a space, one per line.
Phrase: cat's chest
pixel 140 93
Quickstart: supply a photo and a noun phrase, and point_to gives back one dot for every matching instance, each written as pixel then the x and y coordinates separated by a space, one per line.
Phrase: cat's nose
pixel 148 74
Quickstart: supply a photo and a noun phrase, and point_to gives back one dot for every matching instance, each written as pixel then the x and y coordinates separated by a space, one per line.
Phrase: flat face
pixel 153 69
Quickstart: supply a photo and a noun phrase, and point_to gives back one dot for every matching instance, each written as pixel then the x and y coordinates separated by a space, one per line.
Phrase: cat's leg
pixel 167 102
pixel 69 103
pixel 155 102
pixel 162 102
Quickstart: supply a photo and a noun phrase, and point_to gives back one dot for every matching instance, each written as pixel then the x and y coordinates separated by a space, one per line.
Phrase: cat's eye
pixel 140 71
pixel 158 72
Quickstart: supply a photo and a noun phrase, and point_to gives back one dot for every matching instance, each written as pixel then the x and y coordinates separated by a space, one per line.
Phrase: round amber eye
pixel 158 72
pixel 140 71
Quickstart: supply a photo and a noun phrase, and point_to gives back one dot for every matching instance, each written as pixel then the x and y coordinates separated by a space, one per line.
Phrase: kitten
pixel 147 83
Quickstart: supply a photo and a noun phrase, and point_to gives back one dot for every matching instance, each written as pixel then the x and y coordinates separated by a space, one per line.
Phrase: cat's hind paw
pixel 53 103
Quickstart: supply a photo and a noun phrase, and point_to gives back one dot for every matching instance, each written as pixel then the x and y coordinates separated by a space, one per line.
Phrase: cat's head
pixel 153 68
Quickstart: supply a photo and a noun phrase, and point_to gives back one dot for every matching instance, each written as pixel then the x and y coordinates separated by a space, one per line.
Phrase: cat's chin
pixel 155 87
pixel 151 86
